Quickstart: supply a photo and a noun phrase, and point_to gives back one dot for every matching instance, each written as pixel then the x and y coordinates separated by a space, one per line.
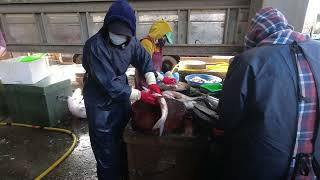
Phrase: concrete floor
pixel 25 153
pixel 81 164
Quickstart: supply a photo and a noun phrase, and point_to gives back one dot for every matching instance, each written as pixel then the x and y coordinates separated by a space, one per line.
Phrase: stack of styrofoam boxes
pixel 12 71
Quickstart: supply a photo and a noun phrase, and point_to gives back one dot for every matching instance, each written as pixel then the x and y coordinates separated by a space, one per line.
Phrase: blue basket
pixel 203 76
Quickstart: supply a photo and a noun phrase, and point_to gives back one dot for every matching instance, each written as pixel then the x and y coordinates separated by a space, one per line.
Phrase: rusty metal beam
pixel 180 50
pixel 202 50
pixel 61 48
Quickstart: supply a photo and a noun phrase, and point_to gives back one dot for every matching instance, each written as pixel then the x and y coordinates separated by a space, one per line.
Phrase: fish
pixel 164 114
pixel 186 100
pixel 213 102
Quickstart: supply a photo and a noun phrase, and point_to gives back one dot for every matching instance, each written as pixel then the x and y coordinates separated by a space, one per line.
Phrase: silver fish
pixel 164 114
pixel 187 101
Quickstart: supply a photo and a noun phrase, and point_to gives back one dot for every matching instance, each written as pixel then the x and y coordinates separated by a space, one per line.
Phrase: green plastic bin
pixel 39 104
pixel 3 105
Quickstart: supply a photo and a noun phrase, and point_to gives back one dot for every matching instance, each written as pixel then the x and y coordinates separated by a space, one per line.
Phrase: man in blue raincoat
pixel 107 95
pixel 270 104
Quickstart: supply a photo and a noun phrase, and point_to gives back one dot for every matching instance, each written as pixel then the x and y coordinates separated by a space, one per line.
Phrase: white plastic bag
pixel 76 104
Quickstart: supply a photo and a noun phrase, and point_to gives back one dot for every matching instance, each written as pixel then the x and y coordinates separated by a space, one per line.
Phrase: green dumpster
pixel 3 106
pixel 41 104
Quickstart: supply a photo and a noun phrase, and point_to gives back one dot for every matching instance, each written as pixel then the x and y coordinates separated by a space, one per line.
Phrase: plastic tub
pixel 206 77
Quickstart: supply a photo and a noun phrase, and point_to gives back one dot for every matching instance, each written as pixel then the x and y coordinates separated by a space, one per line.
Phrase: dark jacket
pixel 106 64
pixel 259 111
pixel 106 68
pixel 106 90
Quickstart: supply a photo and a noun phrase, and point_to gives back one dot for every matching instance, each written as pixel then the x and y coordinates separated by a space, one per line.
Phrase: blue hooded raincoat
pixel 106 90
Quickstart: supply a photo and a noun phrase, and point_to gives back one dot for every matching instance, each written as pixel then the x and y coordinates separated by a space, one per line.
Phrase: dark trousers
pixel 106 126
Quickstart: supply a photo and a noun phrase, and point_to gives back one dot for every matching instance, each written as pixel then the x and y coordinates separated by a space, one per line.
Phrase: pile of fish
pixel 186 100
pixel 168 117
pixel 206 110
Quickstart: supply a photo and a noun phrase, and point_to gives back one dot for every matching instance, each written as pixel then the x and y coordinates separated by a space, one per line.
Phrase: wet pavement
pixel 26 152
pixel 81 164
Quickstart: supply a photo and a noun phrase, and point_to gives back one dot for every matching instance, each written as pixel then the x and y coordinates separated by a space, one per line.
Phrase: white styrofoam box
pixel 67 71
pixel 12 71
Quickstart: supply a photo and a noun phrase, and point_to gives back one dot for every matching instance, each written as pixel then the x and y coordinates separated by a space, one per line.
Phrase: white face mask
pixel 117 39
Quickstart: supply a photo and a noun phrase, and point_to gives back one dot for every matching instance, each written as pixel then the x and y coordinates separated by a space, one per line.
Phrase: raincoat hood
pixel 121 11
pixel 159 29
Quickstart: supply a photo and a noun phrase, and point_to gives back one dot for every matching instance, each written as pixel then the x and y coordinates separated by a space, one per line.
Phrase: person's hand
pixel 147 97
pixel 154 89
pixel 170 81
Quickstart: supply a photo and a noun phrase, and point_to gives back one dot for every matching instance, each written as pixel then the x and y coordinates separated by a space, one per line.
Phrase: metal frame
pixel 42 30
pixel 47 1
pixel 99 6
pixel 84 7
pixel 84 27
pixel 5 28
pixel 179 50
pixel 226 25
pixel 254 6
